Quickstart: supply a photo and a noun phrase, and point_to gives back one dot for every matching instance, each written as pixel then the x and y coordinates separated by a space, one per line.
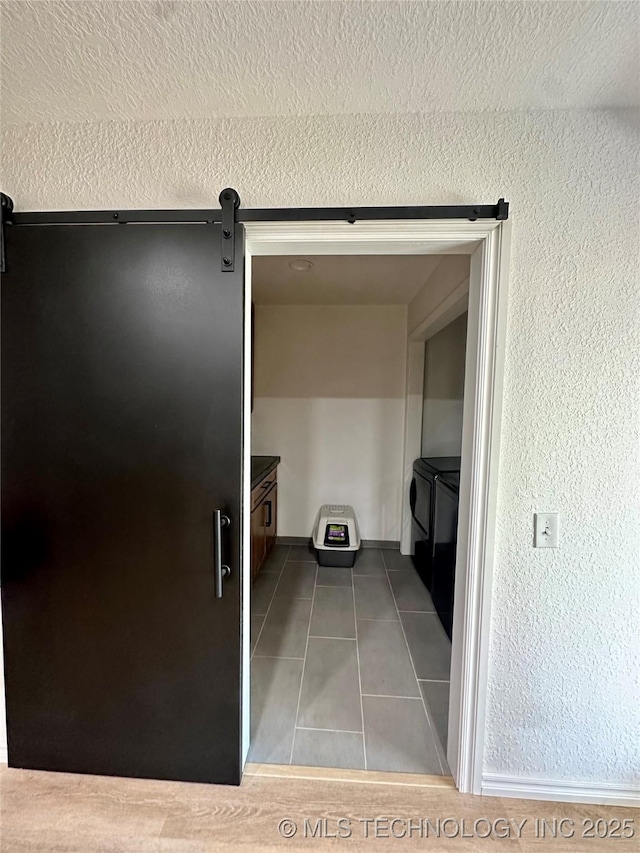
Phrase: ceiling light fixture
pixel 301 265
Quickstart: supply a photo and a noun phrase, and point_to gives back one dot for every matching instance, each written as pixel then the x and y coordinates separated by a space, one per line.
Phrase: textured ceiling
pixel 341 280
pixel 79 61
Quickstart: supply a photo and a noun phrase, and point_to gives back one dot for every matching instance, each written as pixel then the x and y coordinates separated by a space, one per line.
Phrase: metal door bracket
pixel 230 202
pixel 6 209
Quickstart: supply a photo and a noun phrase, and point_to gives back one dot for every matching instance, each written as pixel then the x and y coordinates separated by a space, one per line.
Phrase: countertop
pixel 261 466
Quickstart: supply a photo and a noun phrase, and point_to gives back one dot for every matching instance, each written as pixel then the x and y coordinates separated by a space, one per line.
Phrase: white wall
pixel 448 282
pixel 444 390
pixel 329 399
pixel 564 649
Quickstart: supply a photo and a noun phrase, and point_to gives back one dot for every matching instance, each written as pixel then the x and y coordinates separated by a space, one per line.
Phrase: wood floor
pixel 58 813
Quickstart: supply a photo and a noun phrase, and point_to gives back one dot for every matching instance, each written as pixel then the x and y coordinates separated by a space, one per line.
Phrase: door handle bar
pixel 220 571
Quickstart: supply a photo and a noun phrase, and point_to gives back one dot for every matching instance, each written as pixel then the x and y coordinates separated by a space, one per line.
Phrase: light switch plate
pixel 545 530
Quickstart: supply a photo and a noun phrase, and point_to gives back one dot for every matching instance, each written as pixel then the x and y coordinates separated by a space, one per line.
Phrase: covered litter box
pixel 336 537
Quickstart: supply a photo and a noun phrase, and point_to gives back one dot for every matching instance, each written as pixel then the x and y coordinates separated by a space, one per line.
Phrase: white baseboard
pixel 4 755
pixel 603 793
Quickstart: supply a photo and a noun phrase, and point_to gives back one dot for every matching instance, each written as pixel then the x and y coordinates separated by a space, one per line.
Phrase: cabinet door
pixel 270 518
pixel 258 541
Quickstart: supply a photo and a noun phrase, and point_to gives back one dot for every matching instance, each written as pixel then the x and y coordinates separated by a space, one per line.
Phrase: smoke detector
pixel 301 265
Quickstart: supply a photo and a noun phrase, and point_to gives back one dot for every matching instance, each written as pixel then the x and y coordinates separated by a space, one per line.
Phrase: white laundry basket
pixel 336 537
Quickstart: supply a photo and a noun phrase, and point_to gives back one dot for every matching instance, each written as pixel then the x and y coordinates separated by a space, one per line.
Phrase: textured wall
pixel 88 61
pixel 564 679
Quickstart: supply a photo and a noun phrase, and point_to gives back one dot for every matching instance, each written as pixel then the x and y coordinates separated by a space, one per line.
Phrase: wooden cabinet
pixel 258 540
pixel 270 503
pixel 264 517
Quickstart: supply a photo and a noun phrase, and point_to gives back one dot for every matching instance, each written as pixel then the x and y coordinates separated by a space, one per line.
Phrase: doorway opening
pixel 354 356
pixel 350 666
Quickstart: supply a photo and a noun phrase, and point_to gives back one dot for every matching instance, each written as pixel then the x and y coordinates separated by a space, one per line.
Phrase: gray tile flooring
pixel 349 667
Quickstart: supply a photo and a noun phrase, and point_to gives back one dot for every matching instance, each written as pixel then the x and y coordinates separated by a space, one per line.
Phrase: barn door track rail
pixel 230 213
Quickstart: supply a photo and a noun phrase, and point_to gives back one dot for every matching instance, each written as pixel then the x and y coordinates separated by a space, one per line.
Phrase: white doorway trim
pixel 488 243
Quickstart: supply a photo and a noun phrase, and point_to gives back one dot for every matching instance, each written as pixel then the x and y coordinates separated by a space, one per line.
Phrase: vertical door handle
pixel 269 515
pixel 220 571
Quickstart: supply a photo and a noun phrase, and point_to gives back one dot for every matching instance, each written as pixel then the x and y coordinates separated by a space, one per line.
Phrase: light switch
pixel 545 530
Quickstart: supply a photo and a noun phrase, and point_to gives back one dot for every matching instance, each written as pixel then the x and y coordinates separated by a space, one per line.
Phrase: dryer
pixel 434 506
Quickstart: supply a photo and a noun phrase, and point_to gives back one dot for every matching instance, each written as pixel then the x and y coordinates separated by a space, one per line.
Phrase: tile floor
pixel 349 667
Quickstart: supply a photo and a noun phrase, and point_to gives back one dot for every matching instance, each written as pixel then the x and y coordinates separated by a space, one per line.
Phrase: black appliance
pixel 434 506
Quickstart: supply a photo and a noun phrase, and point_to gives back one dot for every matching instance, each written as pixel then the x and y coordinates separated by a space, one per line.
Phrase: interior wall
pixel 444 390
pixel 449 278
pixel 329 399
pixel 563 657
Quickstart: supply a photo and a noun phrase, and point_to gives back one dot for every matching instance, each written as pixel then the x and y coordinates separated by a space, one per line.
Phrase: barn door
pixel 121 473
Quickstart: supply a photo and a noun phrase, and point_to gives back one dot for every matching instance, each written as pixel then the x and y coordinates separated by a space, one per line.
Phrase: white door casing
pixel 488 244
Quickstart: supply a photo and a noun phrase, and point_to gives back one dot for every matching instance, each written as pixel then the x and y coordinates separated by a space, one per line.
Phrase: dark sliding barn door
pixel 122 423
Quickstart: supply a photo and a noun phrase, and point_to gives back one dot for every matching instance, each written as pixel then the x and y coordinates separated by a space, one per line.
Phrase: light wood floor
pixel 58 813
